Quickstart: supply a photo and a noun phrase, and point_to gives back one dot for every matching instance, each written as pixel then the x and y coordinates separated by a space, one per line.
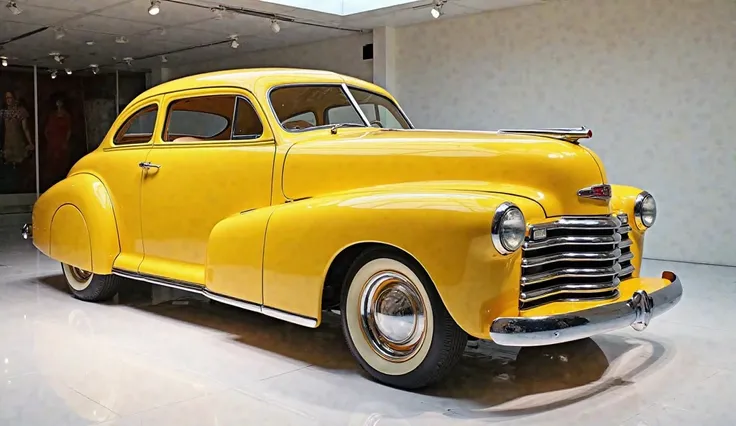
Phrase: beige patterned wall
pixel 654 79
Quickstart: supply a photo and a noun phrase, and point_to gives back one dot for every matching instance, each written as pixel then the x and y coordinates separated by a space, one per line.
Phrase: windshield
pixel 307 107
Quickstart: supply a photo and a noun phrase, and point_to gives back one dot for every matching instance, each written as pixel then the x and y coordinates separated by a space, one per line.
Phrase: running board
pixel 198 289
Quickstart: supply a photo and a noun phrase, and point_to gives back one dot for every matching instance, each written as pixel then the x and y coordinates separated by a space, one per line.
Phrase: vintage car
pixel 295 192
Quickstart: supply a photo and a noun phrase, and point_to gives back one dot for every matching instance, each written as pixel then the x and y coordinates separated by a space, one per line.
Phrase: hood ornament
pixel 596 192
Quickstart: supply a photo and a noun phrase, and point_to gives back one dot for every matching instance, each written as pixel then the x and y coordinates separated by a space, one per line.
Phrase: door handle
pixel 148 165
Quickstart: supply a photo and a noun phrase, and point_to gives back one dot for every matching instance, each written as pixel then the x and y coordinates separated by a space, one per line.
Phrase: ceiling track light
pixel 234 41
pixel 95 68
pixel 121 40
pixel 164 59
pixel 4 61
pixel 155 7
pixel 53 74
pixel 275 27
pixel 59 33
pixel 437 9
pixel 68 71
pixel 218 12
pixel 13 8
pixel 128 61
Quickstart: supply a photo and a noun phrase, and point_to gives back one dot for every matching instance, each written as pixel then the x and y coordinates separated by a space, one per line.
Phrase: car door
pixel 213 159
pixel 118 168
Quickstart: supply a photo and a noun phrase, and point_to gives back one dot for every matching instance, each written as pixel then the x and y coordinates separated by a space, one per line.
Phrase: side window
pixel 138 128
pixel 202 118
pixel 247 123
pixel 289 102
pixel 301 121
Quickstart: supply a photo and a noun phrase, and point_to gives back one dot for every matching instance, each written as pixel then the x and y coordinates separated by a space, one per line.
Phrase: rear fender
pixel 74 220
pixel 447 232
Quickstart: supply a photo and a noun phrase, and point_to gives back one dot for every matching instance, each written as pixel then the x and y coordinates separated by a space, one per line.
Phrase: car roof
pixel 250 78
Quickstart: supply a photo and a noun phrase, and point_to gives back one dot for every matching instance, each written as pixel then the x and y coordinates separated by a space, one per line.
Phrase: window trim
pixel 234 137
pixel 342 86
pixel 113 143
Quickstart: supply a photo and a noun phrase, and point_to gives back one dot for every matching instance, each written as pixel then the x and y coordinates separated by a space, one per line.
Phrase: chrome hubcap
pixel 80 274
pixel 392 316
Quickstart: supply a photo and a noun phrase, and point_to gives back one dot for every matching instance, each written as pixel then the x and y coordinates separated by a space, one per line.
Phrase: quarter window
pixel 247 123
pixel 203 118
pixel 138 128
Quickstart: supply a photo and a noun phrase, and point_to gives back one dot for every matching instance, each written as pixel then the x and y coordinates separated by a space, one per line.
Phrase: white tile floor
pixel 67 362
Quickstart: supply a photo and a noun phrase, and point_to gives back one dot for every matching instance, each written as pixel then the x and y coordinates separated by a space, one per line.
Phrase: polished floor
pixel 146 360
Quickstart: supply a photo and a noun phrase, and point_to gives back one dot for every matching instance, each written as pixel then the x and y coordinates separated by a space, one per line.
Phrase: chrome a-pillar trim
pixel 547 330
pixel 198 289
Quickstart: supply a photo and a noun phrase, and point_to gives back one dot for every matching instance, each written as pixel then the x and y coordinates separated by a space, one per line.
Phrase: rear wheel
pixel 395 323
pixel 89 286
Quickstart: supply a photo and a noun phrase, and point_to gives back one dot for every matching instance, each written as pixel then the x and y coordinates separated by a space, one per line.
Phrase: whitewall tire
pixel 395 323
pixel 89 286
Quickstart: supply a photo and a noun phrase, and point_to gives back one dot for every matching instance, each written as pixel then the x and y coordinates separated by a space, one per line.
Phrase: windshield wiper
pixel 334 128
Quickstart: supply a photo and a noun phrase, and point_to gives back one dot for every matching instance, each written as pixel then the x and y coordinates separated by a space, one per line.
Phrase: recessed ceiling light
pixel 155 7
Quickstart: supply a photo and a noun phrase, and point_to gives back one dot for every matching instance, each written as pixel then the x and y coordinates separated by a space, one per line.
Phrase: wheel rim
pixel 77 278
pixel 393 316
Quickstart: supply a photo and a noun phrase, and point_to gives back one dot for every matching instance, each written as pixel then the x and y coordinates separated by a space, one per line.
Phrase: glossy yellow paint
pixel 87 194
pixel 70 238
pixel 262 220
pixel 622 201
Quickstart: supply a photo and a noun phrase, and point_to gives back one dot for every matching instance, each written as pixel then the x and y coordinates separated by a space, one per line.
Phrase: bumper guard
pixel 26 231
pixel 547 330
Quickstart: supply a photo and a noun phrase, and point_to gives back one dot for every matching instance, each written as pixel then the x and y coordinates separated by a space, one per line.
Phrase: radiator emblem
pixel 596 192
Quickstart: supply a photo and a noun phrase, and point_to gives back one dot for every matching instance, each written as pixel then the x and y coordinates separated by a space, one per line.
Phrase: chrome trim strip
pixel 624 229
pixel 626 256
pixel 561 241
pixel 530 296
pixel 627 270
pixel 625 243
pixel 496 223
pixel 571 273
pixel 547 330
pixel 355 105
pixel 198 289
pixel 572 135
pixel 26 231
pixel 529 262
pixel 585 223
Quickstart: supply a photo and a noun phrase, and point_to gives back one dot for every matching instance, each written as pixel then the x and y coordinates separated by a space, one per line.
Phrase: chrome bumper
pixel 547 330
pixel 26 231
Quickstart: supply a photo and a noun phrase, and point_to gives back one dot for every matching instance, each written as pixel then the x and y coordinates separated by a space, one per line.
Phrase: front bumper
pixel 547 330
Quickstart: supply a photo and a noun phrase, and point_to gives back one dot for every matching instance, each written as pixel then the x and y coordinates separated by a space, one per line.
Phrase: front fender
pixel 447 232
pixel 622 201
pixel 74 220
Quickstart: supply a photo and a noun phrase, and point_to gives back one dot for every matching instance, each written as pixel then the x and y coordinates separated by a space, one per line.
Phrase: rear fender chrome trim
pixel 201 290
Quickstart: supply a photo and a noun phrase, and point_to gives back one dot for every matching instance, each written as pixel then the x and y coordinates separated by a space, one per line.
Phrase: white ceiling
pixel 180 26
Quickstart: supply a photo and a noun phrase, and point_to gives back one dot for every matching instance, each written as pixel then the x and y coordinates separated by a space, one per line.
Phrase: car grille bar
pixel 575 259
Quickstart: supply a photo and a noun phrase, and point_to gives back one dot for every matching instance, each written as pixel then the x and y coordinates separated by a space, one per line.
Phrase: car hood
pixel 546 170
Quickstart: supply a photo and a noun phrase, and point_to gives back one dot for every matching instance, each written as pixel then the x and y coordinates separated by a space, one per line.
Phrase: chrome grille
pixel 575 258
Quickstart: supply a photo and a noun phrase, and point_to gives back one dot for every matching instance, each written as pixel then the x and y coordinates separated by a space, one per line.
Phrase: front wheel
pixel 88 286
pixel 395 323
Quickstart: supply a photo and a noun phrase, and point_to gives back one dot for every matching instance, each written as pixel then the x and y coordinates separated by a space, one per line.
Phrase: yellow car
pixel 295 192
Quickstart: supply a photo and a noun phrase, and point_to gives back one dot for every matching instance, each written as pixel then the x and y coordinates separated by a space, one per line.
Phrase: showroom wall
pixel 343 55
pixel 654 79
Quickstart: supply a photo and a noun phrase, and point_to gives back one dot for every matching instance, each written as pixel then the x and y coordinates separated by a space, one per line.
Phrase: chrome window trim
pixel 346 89
pixel 326 126
pixel 202 290
pixel 233 136
pixel 637 210
pixel 114 145
pixel 496 223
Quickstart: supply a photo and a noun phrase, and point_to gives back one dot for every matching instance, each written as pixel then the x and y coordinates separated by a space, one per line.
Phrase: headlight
pixel 645 210
pixel 508 228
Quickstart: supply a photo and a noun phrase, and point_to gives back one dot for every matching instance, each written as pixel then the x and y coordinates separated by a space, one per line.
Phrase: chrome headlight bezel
pixel 645 210
pixel 498 228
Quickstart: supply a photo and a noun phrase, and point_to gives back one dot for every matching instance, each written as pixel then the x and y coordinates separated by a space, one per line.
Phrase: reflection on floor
pixel 67 362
